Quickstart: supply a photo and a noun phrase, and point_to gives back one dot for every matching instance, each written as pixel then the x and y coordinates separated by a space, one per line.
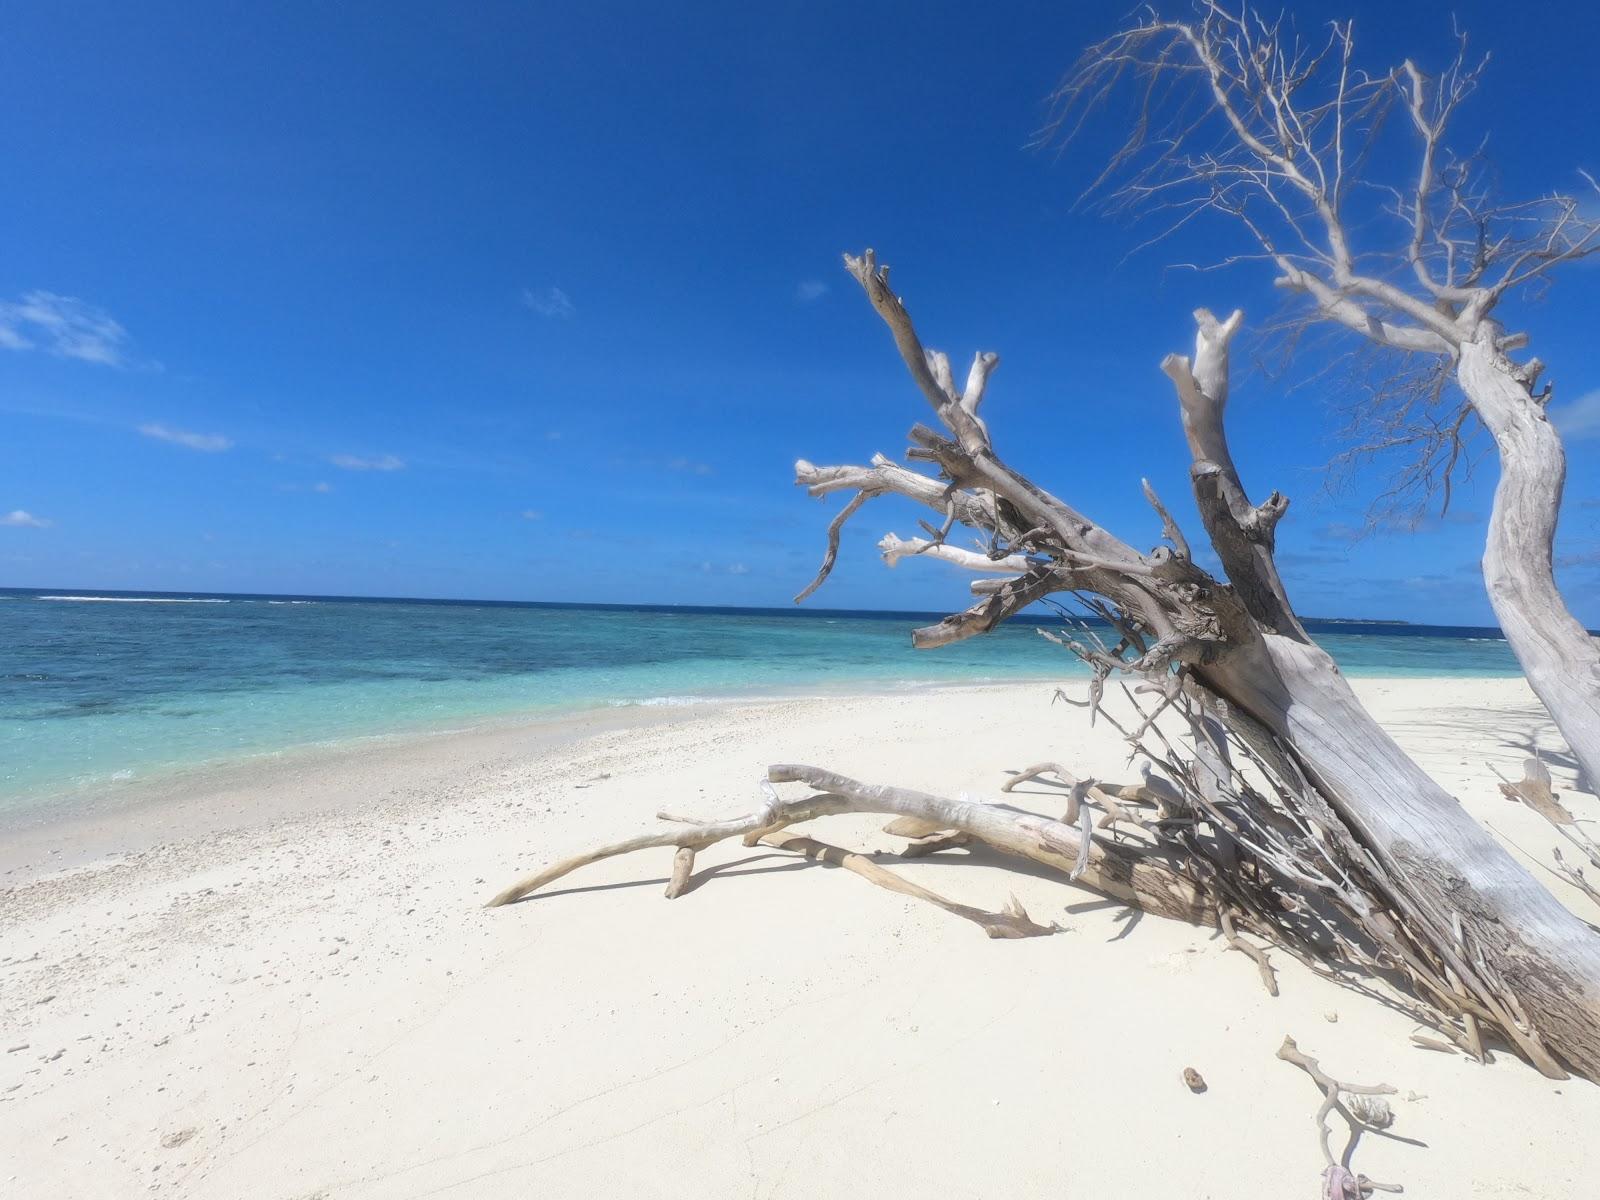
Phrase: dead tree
pixel 1289 815
pixel 1236 115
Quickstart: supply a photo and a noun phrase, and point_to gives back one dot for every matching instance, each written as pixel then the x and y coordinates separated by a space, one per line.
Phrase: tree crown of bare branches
pixel 1245 117
pixel 1407 242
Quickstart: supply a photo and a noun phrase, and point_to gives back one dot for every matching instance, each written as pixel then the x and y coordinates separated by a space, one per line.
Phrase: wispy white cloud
pixel 354 462
pixel 206 443
pixel 1581 418
pixel 692 467
pixel 532 514
pixel 738 569
pixel 65 327
pixel 24 520
pixel 1339 531
pixel 549 302
pixel 809 291
pixel 321 487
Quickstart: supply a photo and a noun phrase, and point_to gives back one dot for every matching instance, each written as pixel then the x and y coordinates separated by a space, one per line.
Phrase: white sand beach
pixel 280 982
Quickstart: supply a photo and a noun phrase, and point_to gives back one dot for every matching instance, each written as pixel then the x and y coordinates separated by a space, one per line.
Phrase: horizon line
pixel 644 606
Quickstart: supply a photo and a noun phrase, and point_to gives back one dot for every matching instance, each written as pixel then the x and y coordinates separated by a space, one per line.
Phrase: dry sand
pixel 299 995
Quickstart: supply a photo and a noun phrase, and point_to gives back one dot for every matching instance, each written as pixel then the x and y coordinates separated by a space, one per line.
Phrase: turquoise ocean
pixel 101 688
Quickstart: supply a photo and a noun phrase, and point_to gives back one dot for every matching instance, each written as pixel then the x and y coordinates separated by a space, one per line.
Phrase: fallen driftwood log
pixel 1271 804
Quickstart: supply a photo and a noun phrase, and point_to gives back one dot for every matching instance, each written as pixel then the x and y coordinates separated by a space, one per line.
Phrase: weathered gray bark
pixel 1560 659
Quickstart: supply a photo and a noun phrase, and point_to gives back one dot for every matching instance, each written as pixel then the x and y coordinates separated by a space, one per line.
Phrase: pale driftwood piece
pixel 934 843
pixel 1011 922
pixel 1079 791
pixel 1425 1042
pixel 1269 977
pixel 1075 799
pixel 1085 843
pixel 1535 790
pixel 1169 527
pixel 1153 789
pixel 1118 872
pixel 1113 814
pixel 1121 873
pixel 910 827
pixel 1575 876
pixel 1339 1182
pixel 1560 659
pixel 835 527
pixel 1038 771
pixel 895 548
pixel 692 836
pixel 1241 118
pixel 1469 1020
pixel 682 868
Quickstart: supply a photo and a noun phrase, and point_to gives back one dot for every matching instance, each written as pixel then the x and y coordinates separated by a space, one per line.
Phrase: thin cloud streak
pixel 65 327
pixel 19 519
pixel 206 443
pixel 354 462
pixel 549 302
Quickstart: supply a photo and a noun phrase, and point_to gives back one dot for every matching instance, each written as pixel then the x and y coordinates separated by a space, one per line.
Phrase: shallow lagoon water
pixel 97 687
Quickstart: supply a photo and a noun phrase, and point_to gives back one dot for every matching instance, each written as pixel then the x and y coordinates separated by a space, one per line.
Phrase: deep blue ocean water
pixel 98 687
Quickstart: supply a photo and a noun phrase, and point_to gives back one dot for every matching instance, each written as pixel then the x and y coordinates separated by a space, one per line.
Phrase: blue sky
pixel 542 301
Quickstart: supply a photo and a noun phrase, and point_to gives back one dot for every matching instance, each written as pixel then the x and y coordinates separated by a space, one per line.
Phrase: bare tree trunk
pixel 1504 930
pixel 1491 921
pixel 1560 659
